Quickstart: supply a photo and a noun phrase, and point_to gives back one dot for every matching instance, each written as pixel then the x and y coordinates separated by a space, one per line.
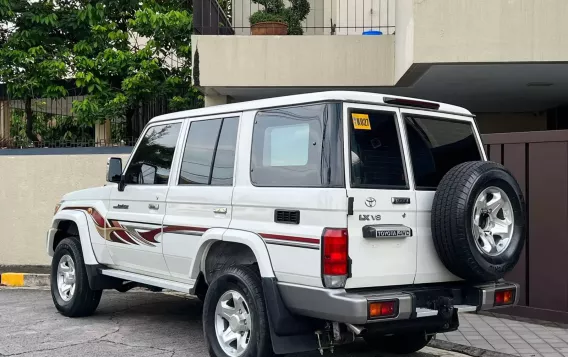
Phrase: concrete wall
pixel 31 187
pixel 511 122
pixel 489 30
pixel 280 61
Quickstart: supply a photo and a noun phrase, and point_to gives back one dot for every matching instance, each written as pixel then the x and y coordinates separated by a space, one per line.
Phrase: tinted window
pixel 198 153
pixel 298 147
pixel 152 161
pixel 376 157
pixel 224 165
pixel 437 145
pixel 209 155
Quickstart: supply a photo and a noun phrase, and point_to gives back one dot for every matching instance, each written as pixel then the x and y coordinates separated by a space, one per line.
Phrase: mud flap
pixel 289 333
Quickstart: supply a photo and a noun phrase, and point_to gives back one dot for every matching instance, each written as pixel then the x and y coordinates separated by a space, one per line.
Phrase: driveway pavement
pixel 507 334
pixel 136 323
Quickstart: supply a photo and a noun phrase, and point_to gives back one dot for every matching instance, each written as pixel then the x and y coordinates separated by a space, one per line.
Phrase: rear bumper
pixel 413 302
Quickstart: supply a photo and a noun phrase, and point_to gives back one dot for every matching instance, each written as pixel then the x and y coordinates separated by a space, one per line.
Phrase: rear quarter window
pixel 437 145
pixel 300 146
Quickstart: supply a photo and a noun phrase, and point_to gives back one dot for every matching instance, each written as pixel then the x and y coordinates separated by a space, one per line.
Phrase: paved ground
pixel 518 336
pixel 129 324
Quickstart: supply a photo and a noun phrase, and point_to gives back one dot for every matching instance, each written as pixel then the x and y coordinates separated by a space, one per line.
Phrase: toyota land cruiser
pixel 301 222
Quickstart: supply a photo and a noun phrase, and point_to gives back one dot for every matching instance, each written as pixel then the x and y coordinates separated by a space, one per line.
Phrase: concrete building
pixel 505 60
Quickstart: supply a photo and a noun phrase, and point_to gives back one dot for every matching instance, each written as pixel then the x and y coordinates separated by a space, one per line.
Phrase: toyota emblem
pixel 370 202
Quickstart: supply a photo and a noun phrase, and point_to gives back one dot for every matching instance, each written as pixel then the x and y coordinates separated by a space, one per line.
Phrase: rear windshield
pixel 437 145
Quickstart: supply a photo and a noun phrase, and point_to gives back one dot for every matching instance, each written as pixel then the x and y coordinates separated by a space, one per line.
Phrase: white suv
pixel 302 222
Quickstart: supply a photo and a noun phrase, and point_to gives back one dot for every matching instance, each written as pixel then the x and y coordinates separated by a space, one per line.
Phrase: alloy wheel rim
pixel 233 323
pixel 493 222
pixel 66 277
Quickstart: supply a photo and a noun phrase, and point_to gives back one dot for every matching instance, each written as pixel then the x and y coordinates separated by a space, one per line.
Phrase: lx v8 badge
pixel 369 217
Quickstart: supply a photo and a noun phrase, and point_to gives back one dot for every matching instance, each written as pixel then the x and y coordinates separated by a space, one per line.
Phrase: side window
pixel 152 161
pixel 298 147
pixel 437 145
pixel 224 164
pixel 209 155
pixel 376 155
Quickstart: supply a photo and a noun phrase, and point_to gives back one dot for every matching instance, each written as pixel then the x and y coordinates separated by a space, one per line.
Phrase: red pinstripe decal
pixel 183 228
pixel 151 235
pixel 289 238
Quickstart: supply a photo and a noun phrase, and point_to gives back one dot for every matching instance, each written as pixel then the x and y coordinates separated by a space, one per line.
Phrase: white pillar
pixel 211 100
pixel 102 133
pixel 5 119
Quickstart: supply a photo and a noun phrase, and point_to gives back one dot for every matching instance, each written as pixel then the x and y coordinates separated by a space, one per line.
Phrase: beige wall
pixel 31 187
pixel 489 30
pixel 510 122
pixel 298 61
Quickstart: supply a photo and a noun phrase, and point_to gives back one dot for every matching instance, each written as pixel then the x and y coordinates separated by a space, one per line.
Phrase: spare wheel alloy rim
pixel 66 277
pixel 233 324
pixel 493 222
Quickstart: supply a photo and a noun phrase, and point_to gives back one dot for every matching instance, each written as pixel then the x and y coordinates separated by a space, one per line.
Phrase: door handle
pixel 153 206
pixel 222 210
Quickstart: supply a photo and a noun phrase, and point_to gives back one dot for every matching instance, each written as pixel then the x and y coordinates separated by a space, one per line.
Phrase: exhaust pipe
pixel 357 330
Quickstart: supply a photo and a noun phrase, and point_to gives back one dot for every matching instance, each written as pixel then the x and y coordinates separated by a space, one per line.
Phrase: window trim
pixel 299 105
pixel 185 137
pixel 349 107
pixel 466 120
pixel 135 149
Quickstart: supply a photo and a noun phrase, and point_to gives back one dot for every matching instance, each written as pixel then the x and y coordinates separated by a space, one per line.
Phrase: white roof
pixel 344 96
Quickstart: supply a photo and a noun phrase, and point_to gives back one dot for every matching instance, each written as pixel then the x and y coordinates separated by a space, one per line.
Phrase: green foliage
pixel 274 10
pixel 52 128
pixel 121 54
pixel 263 16
pixel 34 51
pixel 129 59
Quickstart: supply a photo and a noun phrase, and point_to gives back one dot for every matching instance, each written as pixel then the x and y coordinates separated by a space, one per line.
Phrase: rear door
pixel 437 142
pixel 200 198
pixel 382 226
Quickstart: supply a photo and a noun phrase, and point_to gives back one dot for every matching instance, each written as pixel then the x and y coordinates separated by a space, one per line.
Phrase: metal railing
pixel 58 127
pixel 326 17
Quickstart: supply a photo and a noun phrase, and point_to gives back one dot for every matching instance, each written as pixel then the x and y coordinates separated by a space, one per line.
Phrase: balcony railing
pixel 326 17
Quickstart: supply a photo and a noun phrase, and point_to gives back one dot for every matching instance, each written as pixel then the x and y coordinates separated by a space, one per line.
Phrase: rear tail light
pixel 504 297
pixel 383 309
pixel 335 260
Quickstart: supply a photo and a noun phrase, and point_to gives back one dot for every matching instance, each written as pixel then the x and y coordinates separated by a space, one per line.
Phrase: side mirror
pixel 114 170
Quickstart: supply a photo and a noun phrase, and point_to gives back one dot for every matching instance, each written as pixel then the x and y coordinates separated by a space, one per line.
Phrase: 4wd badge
pixel 387 231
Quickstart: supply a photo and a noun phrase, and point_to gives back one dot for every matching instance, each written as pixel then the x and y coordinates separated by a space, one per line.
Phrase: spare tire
pixel 478 221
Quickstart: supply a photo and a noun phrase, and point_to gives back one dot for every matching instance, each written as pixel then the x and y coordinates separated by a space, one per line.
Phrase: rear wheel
pixel 399 344
pixel 234 315
pixel 70 288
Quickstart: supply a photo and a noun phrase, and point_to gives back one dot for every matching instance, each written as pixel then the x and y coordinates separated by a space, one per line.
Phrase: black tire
pixel 452 219
pixel 84 301
pixel 248 283
pixel 398 344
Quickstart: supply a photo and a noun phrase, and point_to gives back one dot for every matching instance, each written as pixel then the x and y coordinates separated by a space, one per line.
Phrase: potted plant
pixel 277 19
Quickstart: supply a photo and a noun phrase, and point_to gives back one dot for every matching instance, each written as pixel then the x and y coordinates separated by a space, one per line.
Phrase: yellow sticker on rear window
pixel 361 121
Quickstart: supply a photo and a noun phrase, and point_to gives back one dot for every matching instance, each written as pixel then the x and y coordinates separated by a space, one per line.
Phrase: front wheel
pixel 70 288
pixel 234 315
pixel 399 344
